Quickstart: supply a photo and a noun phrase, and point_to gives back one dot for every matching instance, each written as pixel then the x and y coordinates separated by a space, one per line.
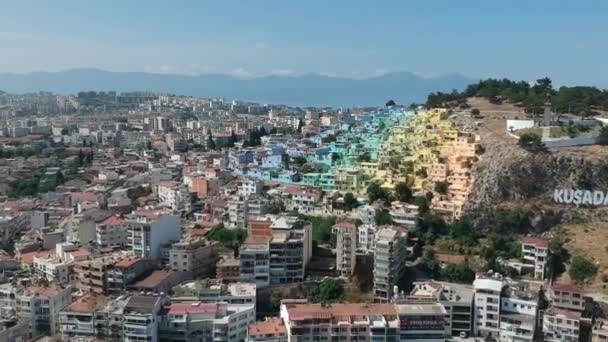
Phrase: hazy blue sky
pixel 567 40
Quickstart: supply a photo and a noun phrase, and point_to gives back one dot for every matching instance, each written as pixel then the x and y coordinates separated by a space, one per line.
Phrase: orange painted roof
pixel 273 326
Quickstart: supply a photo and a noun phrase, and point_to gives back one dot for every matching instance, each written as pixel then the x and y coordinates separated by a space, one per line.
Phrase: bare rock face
pixel 524 182
pixel 510 183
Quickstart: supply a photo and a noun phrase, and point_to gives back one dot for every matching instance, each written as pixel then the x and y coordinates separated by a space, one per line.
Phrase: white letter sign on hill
pixel 580 197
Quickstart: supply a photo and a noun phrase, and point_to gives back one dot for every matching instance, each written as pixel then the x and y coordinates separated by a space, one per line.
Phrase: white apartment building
pixel 238 212
pixel 141 318
pixel 207 321
pixel 11 225
pixel 149 230
pixel 487 305
pixel 41 305
pixel 254 260
pixel 599 332
pixel 389 260
pixel 535 252
pixel 366 234
pixel 340 322
pixel 249 186
pixel 560 325
pixel 174 196
pixel 518 313
pixel 567 297
pixel 215 290
pixel 112 232
pixel 405 215
pixel 346 249
pixel 457 299
pixel 193 256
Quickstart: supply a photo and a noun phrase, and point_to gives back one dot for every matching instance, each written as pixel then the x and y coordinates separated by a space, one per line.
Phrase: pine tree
pixel 80 157
pixel 210 143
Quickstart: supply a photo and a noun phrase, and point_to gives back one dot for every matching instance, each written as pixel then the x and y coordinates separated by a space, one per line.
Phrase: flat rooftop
pixel 421 309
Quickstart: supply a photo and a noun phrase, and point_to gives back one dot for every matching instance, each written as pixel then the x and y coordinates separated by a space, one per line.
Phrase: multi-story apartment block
pixel 186 321
pixel 112 232
pixel 277 255
pixel 560 325
pixel 78 321
pixel 389 260
pixel 488 290
pixel 141 318
pixel 535 252
pixel 193 256
pixel 405 215
pixel 215 290
pixel 41 306
pixel 254 259
pixel 599 332
pixel 249 186
pixel 518 313
pixel 269 330
pixel 149 230
pixel 238 212
pixel 110 274
pixel 173 195
pixel 11 225
pixel 457 299
pixel 346 250
pixel 228 269
pixel 567 297
pixel 366 235
pixel 423 322
pixel 343 322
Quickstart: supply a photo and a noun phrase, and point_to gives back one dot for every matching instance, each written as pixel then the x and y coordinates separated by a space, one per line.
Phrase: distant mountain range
pixel 305 90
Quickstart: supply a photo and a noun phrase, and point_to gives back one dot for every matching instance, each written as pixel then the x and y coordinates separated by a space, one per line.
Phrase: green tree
pixel 321 228
pixel 350 202
pixel 441 187
pixel 329 290
pixel 335 156
pixel 364 157
pixel 457 273
pixel 403 192
pixel 383 217
pixel 375 193
pixel 299 160
pixel 59 178
pixel 229 238
pixel 81 157
pixel 328 139
pixel 582 269
pixel 475 112
pixel 531 142
pixel 210 142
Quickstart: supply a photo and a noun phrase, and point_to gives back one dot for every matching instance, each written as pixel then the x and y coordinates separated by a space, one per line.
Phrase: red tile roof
pixel 192 308
pixel 345 225
pixel 567 288
pixel 272 327
pixel 538 242
pixel 452 259
pixel 28 258
pixel 312 311
pixel 113 221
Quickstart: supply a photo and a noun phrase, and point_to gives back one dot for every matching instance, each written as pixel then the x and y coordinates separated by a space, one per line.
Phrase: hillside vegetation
pixel 579 100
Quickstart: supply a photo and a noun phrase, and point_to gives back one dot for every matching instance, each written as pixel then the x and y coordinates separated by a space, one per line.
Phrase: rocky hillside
pixel 510 181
